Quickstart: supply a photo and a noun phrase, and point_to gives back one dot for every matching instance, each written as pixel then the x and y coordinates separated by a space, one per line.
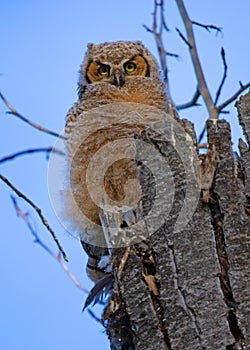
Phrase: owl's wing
pixel 73 113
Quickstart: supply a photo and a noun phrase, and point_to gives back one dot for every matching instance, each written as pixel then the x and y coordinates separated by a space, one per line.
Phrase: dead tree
pixel 190 290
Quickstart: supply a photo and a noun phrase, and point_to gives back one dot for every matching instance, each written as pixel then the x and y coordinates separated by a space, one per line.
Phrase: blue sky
pixel 42 46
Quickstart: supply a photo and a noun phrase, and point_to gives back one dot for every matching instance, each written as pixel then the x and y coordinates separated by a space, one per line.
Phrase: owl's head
pixel 116 63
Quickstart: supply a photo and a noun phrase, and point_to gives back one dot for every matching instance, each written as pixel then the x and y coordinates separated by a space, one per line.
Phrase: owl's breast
pixel 149 91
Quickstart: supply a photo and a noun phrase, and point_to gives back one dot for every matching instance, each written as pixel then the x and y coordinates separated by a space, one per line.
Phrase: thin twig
pixel 183 38
pixel 191 103
pixel 231 99
pixel 29 151
pixel 34 125
pixel 148 29
pixel 223 77
pixel 202 85
pixel 202 134
pixel 208 27
pixel 97 319
pixel 39 212
pixel 175 55
pixel 71 275
pixel 24 216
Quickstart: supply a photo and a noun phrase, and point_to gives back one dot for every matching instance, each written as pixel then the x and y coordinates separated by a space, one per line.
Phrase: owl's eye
pixel 129 67
pixel 104 71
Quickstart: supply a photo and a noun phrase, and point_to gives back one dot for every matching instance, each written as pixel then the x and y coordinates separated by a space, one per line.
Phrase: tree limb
pixel 34 125
pixel 202 85
pixel 39 212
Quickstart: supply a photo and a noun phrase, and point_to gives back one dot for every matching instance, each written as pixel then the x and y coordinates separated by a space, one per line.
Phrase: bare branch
pixel 29 151
pixel 224 104
pixel 39 212
pixel 71 275
pixel 24 216
pixel 191 103
pixel 157 31
pixel 34 125
pixel 208 27
pixel 231 99
pixel 202 85
pixel 163 21
pixel 224 76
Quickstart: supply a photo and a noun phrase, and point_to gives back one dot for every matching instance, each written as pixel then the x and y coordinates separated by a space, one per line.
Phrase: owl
pixel 111 73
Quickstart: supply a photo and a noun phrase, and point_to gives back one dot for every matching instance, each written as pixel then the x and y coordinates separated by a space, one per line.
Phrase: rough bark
pixel 191 289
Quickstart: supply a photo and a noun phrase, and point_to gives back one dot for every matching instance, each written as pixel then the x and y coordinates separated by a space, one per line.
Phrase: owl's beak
pixel 118 80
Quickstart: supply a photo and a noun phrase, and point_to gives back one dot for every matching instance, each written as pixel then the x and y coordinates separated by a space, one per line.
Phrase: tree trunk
pixel 190 289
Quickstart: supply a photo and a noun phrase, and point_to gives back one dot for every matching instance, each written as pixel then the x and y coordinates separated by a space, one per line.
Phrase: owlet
pixel 111 73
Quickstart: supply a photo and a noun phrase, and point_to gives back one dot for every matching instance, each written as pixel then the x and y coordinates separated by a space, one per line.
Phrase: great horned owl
pixel 115 72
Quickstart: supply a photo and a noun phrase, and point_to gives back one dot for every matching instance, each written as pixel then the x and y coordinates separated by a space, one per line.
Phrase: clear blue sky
pixel 42 45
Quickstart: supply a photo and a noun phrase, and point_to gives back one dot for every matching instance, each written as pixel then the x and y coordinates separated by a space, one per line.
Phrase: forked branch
pixel 202 85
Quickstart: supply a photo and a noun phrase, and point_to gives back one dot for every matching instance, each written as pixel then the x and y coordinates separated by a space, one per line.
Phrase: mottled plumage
pixel 147 88
pixel 111 73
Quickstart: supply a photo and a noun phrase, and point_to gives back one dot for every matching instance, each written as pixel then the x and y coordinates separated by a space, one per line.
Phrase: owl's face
pixel 116 63
pixel 117 74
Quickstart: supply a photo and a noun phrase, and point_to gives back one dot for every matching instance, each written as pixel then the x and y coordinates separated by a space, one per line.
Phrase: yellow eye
pixel 130 67
pixel 104 71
